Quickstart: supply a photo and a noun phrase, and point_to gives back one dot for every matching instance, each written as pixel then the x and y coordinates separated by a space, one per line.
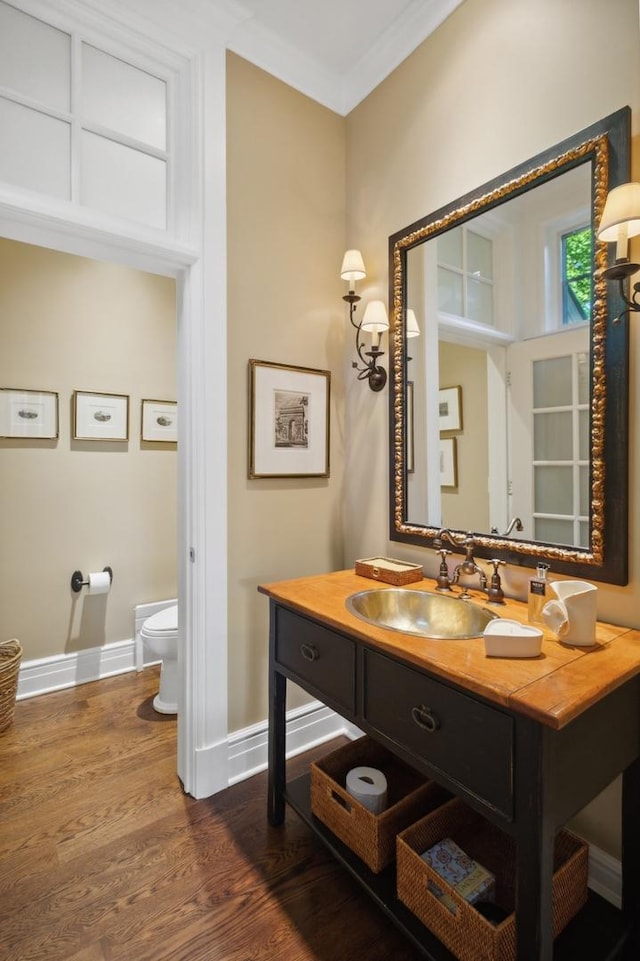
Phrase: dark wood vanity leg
pixel 535 843
pixel 276 748
pixel 631 851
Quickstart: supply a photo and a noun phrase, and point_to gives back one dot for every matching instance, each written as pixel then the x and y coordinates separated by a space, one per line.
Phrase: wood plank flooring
pixel 104 858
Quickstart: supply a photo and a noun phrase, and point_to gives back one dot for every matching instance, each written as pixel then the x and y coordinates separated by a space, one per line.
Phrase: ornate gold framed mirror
pixel 516 370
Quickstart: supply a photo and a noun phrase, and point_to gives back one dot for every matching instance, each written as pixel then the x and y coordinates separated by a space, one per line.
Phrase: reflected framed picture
pixel 410 440
pixel 288 420
pixel 450 408
pixel 28 413
pixel 448 462
pixel 159 421
pixel 100 416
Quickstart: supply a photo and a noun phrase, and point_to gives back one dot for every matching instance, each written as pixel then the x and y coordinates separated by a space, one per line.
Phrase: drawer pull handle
pixel 425 718
pixel 309 652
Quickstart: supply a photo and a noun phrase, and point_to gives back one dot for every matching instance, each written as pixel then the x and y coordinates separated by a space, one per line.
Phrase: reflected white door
pixel 549 436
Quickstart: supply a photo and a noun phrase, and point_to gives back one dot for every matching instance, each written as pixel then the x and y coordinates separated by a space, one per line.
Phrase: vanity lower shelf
pixel 597 933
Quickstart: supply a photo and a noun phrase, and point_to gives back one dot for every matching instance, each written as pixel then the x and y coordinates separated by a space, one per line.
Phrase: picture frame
pixel 410 439
pixel 288 420
pixel 99 416
pixel 29 413
pixel 448 463
pixel 159 421
pixel 450 408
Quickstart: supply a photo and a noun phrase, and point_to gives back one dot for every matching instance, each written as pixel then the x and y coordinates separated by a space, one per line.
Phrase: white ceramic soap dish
pixel 506 638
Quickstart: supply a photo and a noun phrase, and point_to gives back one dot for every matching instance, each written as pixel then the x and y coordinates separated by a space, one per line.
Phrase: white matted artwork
pixel 159 421
pixel 448 462
pixel 450 408
pixel 28 413
pixel 100 416
pixel 288 420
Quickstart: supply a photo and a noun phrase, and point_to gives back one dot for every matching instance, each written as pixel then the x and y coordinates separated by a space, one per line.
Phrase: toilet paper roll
pixel 99 582
pixel 368 785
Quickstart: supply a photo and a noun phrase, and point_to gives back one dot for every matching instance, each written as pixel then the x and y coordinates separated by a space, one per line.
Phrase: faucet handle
pixel 495 593
pixel 443 581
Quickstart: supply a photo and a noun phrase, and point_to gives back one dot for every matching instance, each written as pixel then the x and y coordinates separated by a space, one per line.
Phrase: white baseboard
pixel 605 875
pixel 48 674
pixel 307 726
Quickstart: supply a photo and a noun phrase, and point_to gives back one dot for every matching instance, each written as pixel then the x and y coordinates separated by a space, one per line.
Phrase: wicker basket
pixel 10 655
pixel 466 933
pixel 371 836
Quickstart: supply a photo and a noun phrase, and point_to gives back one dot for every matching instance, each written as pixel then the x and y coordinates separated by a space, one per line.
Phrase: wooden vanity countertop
pixel 553 688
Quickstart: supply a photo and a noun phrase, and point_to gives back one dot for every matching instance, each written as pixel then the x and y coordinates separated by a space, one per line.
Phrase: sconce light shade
pixel 353 266
pixel 375 319
pixel 411 327
pixel 621 210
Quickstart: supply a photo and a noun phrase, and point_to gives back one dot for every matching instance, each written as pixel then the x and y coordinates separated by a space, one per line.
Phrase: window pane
pixel 583 378
pixel 449 291
pixel 36 150
pixel 122 181
pixel 553 490
pixel 123 98
pixel 552 382
pixel 450 248
pixel 553 436
pixel 584 534
pixel 584 445
pixel 34 59
pixel 479 256
pixel 553 532
pixel 584 491
pixel 479 301
pixel 577 260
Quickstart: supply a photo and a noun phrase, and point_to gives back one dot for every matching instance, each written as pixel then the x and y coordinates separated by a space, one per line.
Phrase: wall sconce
pixel 620 221
pixel 374 321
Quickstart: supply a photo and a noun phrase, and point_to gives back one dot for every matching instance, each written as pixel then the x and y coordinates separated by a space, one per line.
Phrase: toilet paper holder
pixel 78 581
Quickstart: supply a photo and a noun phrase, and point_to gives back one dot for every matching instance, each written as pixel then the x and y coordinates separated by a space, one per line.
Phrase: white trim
pixel 307 727
pixel 605 875
pixel 46 674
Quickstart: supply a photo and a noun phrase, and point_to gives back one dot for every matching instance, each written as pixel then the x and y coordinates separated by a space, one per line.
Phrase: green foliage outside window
pixel 577 276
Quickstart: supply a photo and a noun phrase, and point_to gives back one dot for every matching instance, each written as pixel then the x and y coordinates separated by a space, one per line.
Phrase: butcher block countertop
pixel 553 688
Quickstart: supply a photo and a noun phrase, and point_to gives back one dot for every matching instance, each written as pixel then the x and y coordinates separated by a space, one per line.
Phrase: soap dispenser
pixel 538 594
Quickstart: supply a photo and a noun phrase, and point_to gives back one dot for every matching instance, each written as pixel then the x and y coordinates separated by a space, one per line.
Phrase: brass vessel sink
pixel 437 616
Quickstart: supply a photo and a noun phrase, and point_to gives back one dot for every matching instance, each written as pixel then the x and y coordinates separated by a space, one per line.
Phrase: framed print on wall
pixel 28 413
pixel 288 420
pixel 100 416
pixel 159 421
pixel 450 408
pixel 448 462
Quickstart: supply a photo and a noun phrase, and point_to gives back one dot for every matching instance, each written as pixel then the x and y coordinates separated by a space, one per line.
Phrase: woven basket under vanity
pixel 10 656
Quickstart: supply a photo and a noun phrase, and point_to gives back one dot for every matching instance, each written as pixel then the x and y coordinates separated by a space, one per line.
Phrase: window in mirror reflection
pixel 465 275
pixel 577 276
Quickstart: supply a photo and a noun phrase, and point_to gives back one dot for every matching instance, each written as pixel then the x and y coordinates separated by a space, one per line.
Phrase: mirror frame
pixel 606 145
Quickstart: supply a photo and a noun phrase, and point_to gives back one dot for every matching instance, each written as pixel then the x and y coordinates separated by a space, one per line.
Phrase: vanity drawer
pixel 467 740
pixel 316 654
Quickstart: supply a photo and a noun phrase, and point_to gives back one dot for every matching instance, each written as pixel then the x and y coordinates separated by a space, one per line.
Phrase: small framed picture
pixel 100 416
pixel 410 439
pixel 448 462
pixel 28 413
pixel 288 420
pixel 450 408
pixel 159 421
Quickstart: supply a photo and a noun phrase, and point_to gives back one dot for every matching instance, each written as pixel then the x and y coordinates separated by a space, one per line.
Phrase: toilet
pixel 160 634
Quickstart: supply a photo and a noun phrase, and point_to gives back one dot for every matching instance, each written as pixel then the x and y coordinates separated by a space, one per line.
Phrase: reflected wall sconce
pixel 374 322
pixel 620 221
pixel 411 328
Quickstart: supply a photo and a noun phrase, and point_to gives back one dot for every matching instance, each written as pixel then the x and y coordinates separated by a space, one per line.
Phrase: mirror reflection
pixel 502 350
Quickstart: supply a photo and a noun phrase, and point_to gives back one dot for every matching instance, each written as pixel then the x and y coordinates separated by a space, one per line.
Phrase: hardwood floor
pixel 104 858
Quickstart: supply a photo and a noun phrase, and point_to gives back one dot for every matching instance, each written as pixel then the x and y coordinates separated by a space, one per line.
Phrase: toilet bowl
pixel 160 634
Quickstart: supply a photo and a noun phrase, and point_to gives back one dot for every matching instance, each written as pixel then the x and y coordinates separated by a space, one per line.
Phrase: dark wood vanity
pixel 527 743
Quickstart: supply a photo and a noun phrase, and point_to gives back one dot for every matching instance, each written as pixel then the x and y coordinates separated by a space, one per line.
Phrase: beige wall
pixel 69 323
pixel 497 83
pixel 285 197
